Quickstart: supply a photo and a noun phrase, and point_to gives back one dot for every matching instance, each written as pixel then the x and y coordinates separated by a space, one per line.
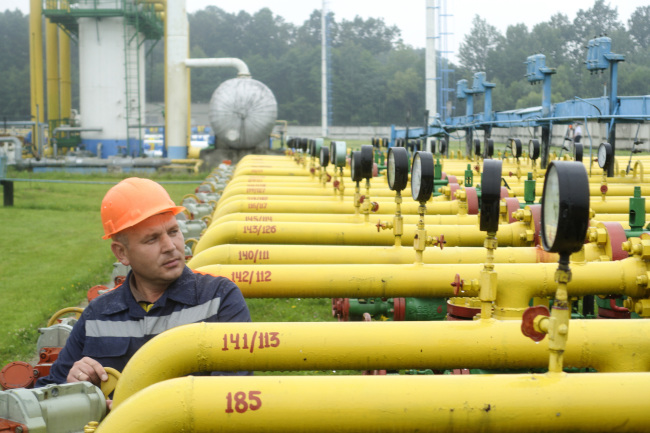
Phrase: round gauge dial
pixel 565 207
pixel 422 176
pixel 398 168
pixel 577 152
pixel 324 157
pixel 490 195
pixel 367 160
pixel 516 147
pixel 489 148
pixel 533 149
pixel 477 147
pixel 355 166
pixel 340 153
pixel 604 155
pixel 443 146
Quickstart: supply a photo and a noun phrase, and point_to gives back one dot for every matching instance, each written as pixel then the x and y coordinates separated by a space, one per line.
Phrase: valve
pixel 534 322
pixel 458 285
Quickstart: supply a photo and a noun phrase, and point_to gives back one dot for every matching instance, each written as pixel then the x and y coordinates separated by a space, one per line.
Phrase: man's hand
pixel 87 369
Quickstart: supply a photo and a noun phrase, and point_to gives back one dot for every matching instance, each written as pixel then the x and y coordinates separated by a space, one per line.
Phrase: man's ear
pixel 120 253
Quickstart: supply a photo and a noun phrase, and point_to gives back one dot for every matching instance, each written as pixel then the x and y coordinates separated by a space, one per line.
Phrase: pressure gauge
pixel 565 207
pixel 490 195
pixel 398 168
pixel 489 148
pixel 338 152
pixel 324 157
pixel 515 145
pixel 312 148
pixel 422 176
pixel 477 147
pixel 604 155
pixel 533 149
pixel 355 166
pixel 367 160
pixel 577 152
pixel 443 146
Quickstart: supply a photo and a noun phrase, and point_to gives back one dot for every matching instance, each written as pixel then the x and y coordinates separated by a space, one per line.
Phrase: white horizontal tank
pixel 242 113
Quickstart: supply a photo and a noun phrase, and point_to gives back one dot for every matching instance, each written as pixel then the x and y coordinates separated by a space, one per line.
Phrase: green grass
pixel 52 253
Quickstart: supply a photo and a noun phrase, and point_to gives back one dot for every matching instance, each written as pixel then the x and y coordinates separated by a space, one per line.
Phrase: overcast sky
pixel 409 15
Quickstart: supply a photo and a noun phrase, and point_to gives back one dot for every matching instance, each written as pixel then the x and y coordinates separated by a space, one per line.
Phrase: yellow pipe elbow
pixel 486 403
pixel 606 345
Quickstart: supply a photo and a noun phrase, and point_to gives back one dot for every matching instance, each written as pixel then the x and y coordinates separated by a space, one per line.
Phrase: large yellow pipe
pixel 248 254
pixel 352 218
pixel 604 402
pixel 52 66
pixel 64 74
pixel 613 189
pixel 316 190
pixel 614 345
pixel 513 235
pixel 36 62
pixel 259 204
pixel 517 284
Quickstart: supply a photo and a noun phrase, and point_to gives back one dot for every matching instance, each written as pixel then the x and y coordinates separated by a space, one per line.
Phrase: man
pixel 159 293
pixel 577 134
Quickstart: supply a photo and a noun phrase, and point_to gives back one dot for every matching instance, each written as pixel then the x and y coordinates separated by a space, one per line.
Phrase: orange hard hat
pixel 132 201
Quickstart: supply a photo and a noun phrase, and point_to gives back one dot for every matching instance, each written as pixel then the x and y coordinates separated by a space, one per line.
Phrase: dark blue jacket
pixel 114 326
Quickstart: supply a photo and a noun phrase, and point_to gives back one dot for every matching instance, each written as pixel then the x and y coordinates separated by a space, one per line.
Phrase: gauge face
pixel 604 155
pixel 355 166
pixel 422 176
pixel 565 207
pixel 416 176
pixel 324 157
pixel 490 195
pixel 533 149
pixel 551 208
pixel 397 169
pixel 366 156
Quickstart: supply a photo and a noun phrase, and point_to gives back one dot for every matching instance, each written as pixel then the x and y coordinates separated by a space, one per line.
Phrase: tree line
pixel 376 78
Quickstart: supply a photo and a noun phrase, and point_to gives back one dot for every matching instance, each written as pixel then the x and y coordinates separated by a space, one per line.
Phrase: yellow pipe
pixel 605 345
pixel 52 65
pixel 573 403
pixel 249 254
pixel 346 218
pixel 260 205
pixel 613 189
pixel 351 234
pixel 517 283
pixel 36 62
pixel 317 191
pixel 64 75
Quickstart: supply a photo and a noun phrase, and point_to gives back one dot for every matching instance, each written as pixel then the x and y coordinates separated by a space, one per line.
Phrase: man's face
pixel 155 250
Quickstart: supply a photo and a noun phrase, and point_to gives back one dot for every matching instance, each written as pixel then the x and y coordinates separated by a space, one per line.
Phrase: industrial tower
pixel 110 35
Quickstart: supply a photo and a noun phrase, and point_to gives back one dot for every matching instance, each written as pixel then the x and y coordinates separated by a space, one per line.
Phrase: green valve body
pixel 529 190
pixel 398 309
pixel 637 210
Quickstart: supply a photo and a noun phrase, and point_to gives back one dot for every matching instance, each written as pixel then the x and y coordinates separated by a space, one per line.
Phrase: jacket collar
pixel 182 291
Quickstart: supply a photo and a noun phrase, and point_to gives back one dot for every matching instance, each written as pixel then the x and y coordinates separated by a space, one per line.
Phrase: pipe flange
pixel 399 309
pixel 615 238
pixel 512 205
pixel 472 200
